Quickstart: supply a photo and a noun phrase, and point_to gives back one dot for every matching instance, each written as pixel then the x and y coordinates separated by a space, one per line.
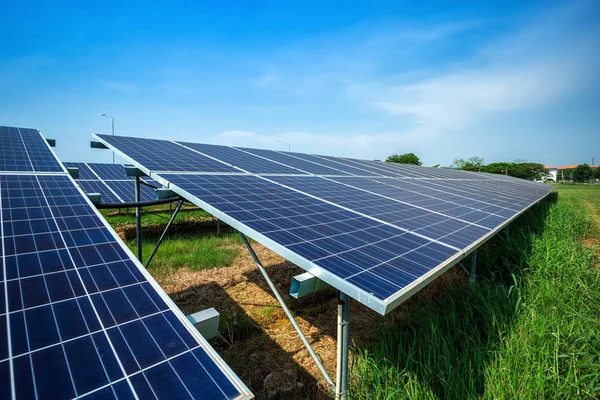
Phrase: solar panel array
pixel 376 231
pixel 110 181
pixel 79 316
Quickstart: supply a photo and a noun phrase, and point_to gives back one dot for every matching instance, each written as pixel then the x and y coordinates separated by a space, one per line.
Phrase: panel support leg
pixel 473 266
pixel 138 219
pixel 162 236
pixel 218 226
pixel 507 232
pixel 288 312
pixel 343 343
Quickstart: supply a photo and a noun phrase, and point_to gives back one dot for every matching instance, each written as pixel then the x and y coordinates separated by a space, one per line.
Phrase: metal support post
pixel 218 226
pixel 345 344
pixel 507 232
pixel 138 220
pixel 473 266
pixel 162 236
pixel 287 312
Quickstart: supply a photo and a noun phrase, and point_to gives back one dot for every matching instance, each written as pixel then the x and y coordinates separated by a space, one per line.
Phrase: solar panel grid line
pixel 326 163
pixel 89 297
pixel 498 193
pixel 449 193
pixel 150 281
pixel 6 301
pixel 345 162
pixel 246 161
pixel 98 186
pixel 381 166
pixel 356 212
pixel 416 205
pixel 274 161
pixel 387 222
pixel 36 135
pixel 167 155
pixel 203 343
pixel 407 292
pixel 394 183
pixel 476 189
pixel 302 165
pixel 361 295
pixel 93 172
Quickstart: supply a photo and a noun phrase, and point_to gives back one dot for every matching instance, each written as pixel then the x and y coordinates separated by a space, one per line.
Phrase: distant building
pixel 558 173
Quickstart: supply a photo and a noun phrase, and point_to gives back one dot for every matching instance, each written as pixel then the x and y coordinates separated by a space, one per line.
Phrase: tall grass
pixel 529 328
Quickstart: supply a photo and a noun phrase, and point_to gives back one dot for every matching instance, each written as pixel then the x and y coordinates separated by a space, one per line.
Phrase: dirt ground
pixel 257 340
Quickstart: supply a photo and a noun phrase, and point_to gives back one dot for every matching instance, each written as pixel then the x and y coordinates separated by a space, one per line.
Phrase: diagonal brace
pixel 162 236
pixel 288 313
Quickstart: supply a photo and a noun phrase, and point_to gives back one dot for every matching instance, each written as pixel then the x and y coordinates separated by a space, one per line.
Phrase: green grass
pixel 529 328
pixel 154 216
pixel 189 251
pixel 178 250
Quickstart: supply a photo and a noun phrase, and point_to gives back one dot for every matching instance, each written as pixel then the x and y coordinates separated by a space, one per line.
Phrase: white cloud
pixel 538 65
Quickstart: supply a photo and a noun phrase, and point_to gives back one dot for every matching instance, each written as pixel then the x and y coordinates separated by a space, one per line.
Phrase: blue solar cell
pixel 60 346
pixel 126 190
pixel 106 171
pixel 163 155
pixel 25 149
pixel 84 171
pixel 347 238
pixel 294 162
pixel 349 169
pixel 107 196
pixel 243 160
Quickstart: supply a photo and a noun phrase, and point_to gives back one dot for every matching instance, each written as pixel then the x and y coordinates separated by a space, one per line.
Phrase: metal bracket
pixel 95 198
pixel 74 172
pixel 134 171
pixel 97 145
pixel 206 322
pixel 305 284
pixel 51 142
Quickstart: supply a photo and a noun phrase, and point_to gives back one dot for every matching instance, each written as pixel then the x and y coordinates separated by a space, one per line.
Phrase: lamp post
pixel 289 145
pixel 113 128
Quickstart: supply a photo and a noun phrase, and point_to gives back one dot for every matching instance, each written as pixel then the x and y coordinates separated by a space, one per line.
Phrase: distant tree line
pixel 582 173
pixel 518 168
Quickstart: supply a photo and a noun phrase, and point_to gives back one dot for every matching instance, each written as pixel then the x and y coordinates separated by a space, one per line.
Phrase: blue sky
pixel 500 80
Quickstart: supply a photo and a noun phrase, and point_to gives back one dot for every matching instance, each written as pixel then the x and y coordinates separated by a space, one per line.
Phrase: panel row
pixel 80 317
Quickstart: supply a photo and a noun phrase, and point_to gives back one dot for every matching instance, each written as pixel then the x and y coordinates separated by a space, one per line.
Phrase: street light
pixel 113 128
pixel 289 145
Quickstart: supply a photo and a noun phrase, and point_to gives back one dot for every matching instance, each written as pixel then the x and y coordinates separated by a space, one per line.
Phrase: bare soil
pixel 258 341
pixel 593 242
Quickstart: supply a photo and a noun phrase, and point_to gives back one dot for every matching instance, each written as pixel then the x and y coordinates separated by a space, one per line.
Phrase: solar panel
pixel 85 172
pixel 107 195
pixel 126 190
pixel 243 160
pixel 25 150
pixel 106 171
pixel 164 155
pixel 377 232
pixel 80 316
pixel 111 182
pixel 302 165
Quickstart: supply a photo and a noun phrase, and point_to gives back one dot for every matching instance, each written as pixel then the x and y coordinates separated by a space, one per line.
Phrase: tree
pixel 518 169
pixel 583 173
pixel 407 158
pixel 597 173
pixel 472 164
